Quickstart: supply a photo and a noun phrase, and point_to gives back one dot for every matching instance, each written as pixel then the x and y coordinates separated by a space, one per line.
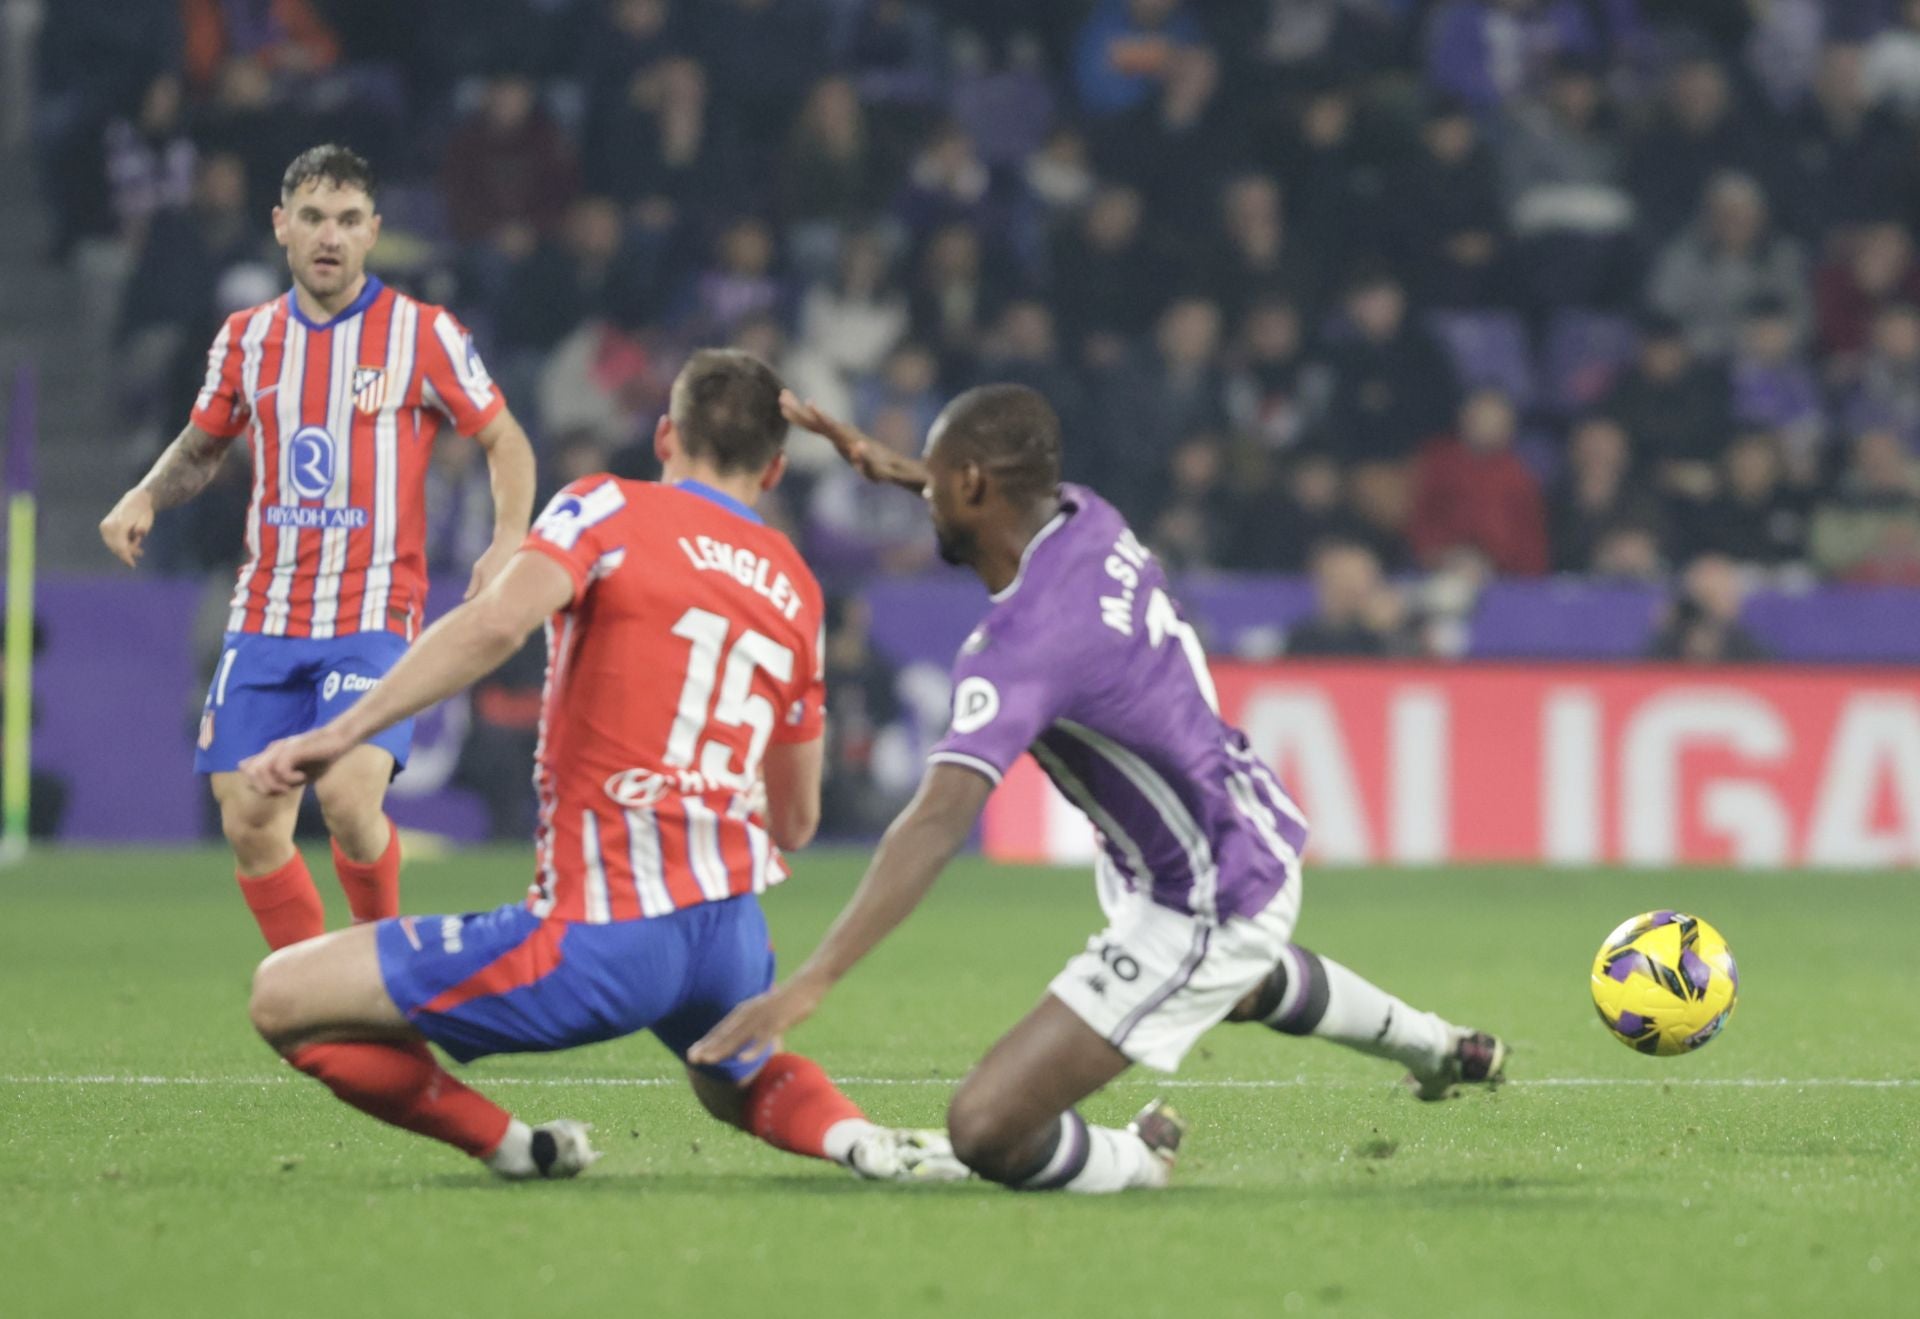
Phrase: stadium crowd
pixel 1415 291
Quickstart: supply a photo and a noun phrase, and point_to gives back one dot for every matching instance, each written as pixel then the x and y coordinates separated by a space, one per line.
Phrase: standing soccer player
pixel 1085 660
pixel 341 386
pixel 679 749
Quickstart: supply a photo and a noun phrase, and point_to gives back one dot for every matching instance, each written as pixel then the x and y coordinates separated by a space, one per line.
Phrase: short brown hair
pixel 329 163
pixel 726 406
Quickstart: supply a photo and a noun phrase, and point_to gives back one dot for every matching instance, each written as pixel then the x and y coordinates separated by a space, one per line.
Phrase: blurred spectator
pixel 600 380
pixel 828 178
pixel 1868 531
pixel 1334 187
pixel 1486 52
pixel 656 149
pixel 1149 408
pixel 1562 174
pixel 1126 48
pixel 1192 530
pixel 953 300
pixel 1393 385
pixel 1597 496
pixel 1849 156
pixel 1005 106
pixel 1696 132
pixel 1256 257
pixel 1775 388
pixel 1024 349
pixel 763 52
pixel 946 184
pixel 1356 613
pixel 1471 491
pixel 282 36
pixel 1176 146
pixel 1628 552
pixel 894 50
pixel 587 272
pixel 1677 407
pixel 509 173
pixel 855 320
pixel 1755 520
pixel 1707 277
pixel 1275 394
pixel 1875 265
pixel 1279 531
pixel 907 383
pixel 186 250
pixel 1059 175
pixel 740 282
pixel 1703 622
pixel 1449 228
pixel 1890 72
pixel 150 159
pixel 1109 280
pixel 1888 394
pixel 857 800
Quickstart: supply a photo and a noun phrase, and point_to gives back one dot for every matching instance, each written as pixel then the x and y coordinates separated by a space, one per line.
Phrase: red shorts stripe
pixel 522 965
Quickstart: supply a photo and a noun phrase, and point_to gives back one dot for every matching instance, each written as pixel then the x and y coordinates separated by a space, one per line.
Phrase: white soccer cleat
pixel 1476 1058
pixel 556 1150
pixel 900 1154
pixel 1161 1129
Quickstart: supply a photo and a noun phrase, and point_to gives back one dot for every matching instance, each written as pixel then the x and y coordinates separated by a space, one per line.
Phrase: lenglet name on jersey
pixel 745 567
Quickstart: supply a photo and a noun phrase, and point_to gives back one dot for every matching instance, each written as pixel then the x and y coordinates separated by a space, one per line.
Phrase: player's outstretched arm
pixel 455 652
pixel 916 849
pixel 869 457
pixel 510 467
pixel 180 473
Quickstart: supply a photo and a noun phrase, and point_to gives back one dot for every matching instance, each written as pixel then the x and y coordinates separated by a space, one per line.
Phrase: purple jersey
pixel 1085 661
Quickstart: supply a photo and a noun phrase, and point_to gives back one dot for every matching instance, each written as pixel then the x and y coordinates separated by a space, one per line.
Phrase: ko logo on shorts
pixel 310 460
pixel 975 703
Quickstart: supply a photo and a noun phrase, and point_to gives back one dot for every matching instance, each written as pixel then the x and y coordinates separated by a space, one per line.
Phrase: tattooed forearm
pixel 185 468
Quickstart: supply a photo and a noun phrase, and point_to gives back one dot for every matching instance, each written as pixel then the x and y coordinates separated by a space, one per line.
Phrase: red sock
pixel 792 1106
pixel 285 903
pixel 401 1082
pixel 373 890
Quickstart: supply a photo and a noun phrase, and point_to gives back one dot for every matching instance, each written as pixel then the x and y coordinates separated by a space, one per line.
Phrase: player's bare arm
pixel 510 466
pixel 870 458
pixel 916 849
pixel 180 473
pixel 792 772
pixel 455 652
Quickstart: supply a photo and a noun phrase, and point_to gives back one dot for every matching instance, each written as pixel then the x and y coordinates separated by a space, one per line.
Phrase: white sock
pixel 843 1135
pixel 514 1158
pixel 1365 1017
pixel 1116 1161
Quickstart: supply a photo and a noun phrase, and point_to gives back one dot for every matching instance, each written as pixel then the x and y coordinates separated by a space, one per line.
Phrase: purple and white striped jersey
pixel 1085 661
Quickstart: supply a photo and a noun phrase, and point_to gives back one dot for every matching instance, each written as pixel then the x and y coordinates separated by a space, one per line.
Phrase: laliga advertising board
pixel 1649 765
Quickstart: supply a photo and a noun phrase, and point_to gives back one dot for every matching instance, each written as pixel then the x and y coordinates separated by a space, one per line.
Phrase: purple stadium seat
pixel 1584 351
pixel 1489 349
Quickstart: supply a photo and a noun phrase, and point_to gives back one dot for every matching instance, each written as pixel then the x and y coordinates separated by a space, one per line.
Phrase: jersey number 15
pixel 739 705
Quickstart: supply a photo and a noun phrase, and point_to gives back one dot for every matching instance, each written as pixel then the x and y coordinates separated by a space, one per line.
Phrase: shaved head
pixel 1010 431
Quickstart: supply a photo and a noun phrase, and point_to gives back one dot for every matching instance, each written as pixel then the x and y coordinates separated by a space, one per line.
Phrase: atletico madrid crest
pixel 369 388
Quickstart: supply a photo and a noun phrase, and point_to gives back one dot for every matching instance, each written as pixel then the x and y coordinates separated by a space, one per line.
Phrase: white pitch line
pixel 1264 1083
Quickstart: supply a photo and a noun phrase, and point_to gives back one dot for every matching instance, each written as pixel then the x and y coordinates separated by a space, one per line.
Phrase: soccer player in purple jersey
pixel 1085 661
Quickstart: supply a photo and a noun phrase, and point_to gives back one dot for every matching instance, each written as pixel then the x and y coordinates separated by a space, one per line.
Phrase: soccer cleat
pixel 1160 1128
pixel 1477 1058
pixel 556 1150
pixel 897 1154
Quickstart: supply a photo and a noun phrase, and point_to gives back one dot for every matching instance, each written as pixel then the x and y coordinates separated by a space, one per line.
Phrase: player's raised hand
pixel 489 566
pixel 293 762
pixel 871 459
pixel 757 1025
pixel 125 528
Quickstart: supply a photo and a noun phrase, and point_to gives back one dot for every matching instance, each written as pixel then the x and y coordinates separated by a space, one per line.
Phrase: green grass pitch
pixel 1773 1173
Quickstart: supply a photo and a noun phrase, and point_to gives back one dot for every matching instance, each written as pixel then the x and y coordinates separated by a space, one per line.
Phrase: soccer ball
pixel 1665 983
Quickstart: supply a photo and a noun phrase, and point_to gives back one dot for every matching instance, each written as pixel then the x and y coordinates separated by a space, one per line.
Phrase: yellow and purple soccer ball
pixel 1665 983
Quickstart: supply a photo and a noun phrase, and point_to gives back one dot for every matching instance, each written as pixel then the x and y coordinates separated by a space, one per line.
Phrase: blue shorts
pixel 506 981
pixel 266 688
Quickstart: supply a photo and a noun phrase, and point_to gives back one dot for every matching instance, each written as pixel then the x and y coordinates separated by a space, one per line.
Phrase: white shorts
pixel 1156 980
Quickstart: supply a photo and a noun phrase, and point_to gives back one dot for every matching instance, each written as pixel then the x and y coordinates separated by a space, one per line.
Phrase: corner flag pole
pixel 16 711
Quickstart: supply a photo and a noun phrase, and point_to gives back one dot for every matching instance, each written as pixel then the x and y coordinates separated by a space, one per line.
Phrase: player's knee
pixel 982 1138
pixel 271 1006
pixel 255 839
pixel 348 808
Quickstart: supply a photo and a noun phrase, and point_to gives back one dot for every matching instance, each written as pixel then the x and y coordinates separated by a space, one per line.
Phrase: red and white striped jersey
pixel 342 418
pixel 694 640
